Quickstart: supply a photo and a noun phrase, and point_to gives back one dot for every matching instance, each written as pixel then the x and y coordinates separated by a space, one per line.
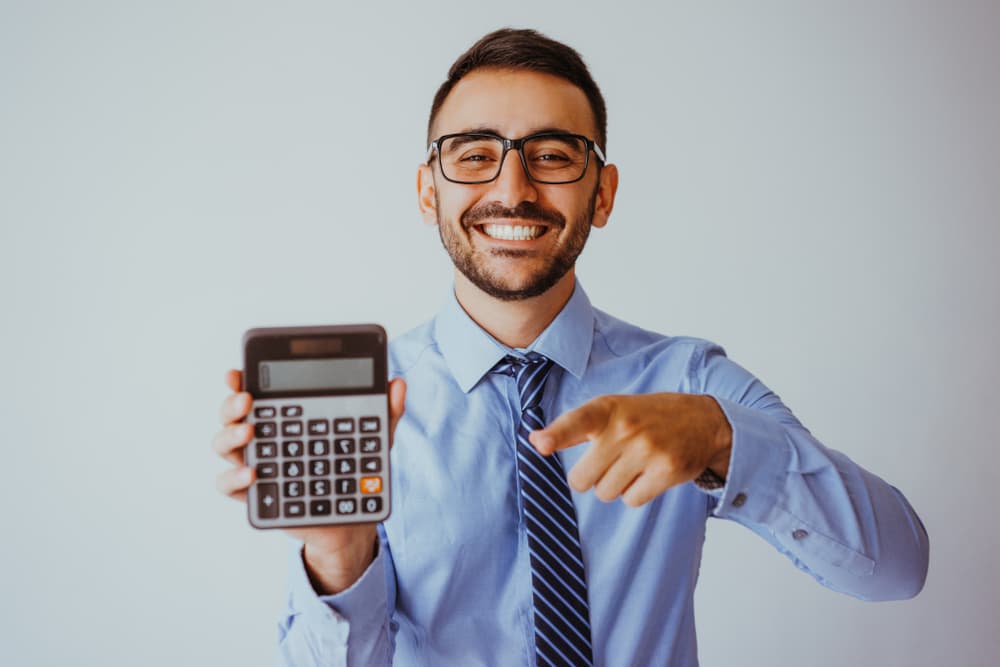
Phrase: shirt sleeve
pixel 353 627
pixel 846 527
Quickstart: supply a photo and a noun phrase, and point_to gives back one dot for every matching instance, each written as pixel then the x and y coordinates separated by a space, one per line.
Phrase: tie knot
pixel 530 373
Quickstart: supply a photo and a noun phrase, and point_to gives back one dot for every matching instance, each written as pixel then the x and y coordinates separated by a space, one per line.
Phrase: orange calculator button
pixel 371 485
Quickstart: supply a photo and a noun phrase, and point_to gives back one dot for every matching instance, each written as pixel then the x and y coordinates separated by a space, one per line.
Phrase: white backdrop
pixel 812 185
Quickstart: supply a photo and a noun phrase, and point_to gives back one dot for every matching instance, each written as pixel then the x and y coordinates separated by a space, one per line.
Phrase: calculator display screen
pixel 317 374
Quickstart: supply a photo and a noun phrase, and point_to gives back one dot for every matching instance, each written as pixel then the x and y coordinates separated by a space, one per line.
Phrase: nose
pixel 512 185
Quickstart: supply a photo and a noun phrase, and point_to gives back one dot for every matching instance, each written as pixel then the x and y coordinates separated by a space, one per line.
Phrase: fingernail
pixel 245 475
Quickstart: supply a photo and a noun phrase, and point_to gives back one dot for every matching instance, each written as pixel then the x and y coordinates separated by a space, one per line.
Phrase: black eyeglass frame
pixel 515 144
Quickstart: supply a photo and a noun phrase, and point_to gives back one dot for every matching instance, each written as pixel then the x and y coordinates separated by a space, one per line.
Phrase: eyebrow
pixel 483 129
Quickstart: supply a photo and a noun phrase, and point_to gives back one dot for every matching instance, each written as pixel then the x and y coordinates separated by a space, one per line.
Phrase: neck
pixel 513 323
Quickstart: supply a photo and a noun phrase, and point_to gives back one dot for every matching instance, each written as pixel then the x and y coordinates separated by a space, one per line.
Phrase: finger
pixel 231 440
pixel 234 380
pixel 397 405
pixel 235 407
pixel 234 481
pixel 617 478
pixel 573 427
pixel 594 464
pixel 646 486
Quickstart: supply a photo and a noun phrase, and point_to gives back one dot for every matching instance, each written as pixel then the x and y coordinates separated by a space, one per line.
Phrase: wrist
pixel 332 570
pixel 722 441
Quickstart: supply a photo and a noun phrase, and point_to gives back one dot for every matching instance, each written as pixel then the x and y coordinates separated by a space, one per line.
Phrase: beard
pixel 463 256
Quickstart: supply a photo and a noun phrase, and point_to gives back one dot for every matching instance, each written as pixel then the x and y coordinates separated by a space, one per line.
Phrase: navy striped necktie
pixel 559 588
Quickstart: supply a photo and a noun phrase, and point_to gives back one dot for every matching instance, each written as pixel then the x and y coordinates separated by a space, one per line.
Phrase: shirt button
pixel 739 500
pixel 798 534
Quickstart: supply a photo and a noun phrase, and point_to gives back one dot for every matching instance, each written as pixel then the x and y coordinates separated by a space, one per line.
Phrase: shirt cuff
pixel 758 465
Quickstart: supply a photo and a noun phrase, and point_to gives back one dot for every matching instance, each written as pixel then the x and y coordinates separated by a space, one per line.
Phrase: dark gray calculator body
pixel 320 415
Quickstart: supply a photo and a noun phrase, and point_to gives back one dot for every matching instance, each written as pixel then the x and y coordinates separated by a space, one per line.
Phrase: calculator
pixel 320 416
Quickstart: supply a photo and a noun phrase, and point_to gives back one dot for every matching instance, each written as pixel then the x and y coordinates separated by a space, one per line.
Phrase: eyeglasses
pixel 547 157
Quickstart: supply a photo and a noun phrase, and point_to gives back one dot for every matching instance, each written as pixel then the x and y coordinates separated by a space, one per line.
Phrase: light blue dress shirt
pixel 451 584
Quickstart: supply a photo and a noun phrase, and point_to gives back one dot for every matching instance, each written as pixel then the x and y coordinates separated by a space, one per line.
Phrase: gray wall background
pixel 812 185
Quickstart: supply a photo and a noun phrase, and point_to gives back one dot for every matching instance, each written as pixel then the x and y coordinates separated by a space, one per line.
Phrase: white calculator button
pixel 370 424
pixel 343 425
pixel 291 411
pixel 265 412
pixel 291 428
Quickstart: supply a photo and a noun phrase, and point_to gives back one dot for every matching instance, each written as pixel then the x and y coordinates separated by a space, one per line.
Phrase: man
pixel 489 558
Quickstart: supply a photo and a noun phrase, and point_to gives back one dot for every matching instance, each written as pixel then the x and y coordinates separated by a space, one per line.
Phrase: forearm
pixel 848 528
pixel 352 627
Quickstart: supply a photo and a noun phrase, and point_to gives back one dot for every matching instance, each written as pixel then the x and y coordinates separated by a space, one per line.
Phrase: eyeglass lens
pixel 549 159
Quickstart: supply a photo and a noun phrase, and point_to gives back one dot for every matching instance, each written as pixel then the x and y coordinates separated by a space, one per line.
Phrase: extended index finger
pixel 571 428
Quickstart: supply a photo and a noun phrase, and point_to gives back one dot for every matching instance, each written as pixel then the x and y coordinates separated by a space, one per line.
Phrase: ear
pixel 605 200
pixel 426 199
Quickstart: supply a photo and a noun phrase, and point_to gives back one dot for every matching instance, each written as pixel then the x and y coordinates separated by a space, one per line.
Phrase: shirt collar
pixel 470 352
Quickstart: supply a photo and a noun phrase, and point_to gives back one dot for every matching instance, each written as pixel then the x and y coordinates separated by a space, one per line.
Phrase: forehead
pixel 514 103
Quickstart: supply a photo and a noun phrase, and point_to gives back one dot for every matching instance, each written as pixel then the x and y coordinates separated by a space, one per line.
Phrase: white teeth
pixel 513 232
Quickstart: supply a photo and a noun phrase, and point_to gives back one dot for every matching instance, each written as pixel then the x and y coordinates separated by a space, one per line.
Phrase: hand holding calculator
pixel 320 446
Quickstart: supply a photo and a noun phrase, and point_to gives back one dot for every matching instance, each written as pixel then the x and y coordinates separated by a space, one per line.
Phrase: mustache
pixel 526 210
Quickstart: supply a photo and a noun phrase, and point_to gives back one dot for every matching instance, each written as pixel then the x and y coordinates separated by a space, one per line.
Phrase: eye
pixel 475 157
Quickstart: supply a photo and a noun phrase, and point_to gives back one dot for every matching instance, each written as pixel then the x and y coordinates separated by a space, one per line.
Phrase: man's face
pixel 478 223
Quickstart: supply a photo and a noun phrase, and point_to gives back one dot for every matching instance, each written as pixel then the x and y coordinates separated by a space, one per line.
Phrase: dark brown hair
pixel 526 49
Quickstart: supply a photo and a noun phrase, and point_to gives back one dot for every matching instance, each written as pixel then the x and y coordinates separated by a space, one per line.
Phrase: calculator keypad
pixel 317 467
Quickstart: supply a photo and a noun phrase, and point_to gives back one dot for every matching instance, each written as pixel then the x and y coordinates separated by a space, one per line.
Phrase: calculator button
pixel 267 500
pixel 294 489
pixel 292 447
pixel 319 427
pixel 265 429
pixel 345 466
pixel 295 509
pixel 347 506
pixel 371 505
pixel 291 411
pixel 370 424
pixel 371 464
pixel 344 445
pixel 267 450
pixel 319 468
pixel 319 507
pixel 291 428
pixel 294 469
pixel 371 485
pixel 319 447
pixel 343 425
pixel 371 444
pixel 319 487
pixel 267 470
pixel 266 412
pixel 346 486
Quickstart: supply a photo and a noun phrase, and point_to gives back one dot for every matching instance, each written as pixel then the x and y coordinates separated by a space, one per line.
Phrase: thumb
pixel 397 404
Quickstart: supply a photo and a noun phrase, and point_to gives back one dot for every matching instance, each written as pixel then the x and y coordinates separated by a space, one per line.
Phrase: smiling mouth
pixel 513 232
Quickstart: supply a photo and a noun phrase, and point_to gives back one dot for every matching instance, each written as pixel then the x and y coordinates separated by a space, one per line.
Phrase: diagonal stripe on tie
pixel 558 580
